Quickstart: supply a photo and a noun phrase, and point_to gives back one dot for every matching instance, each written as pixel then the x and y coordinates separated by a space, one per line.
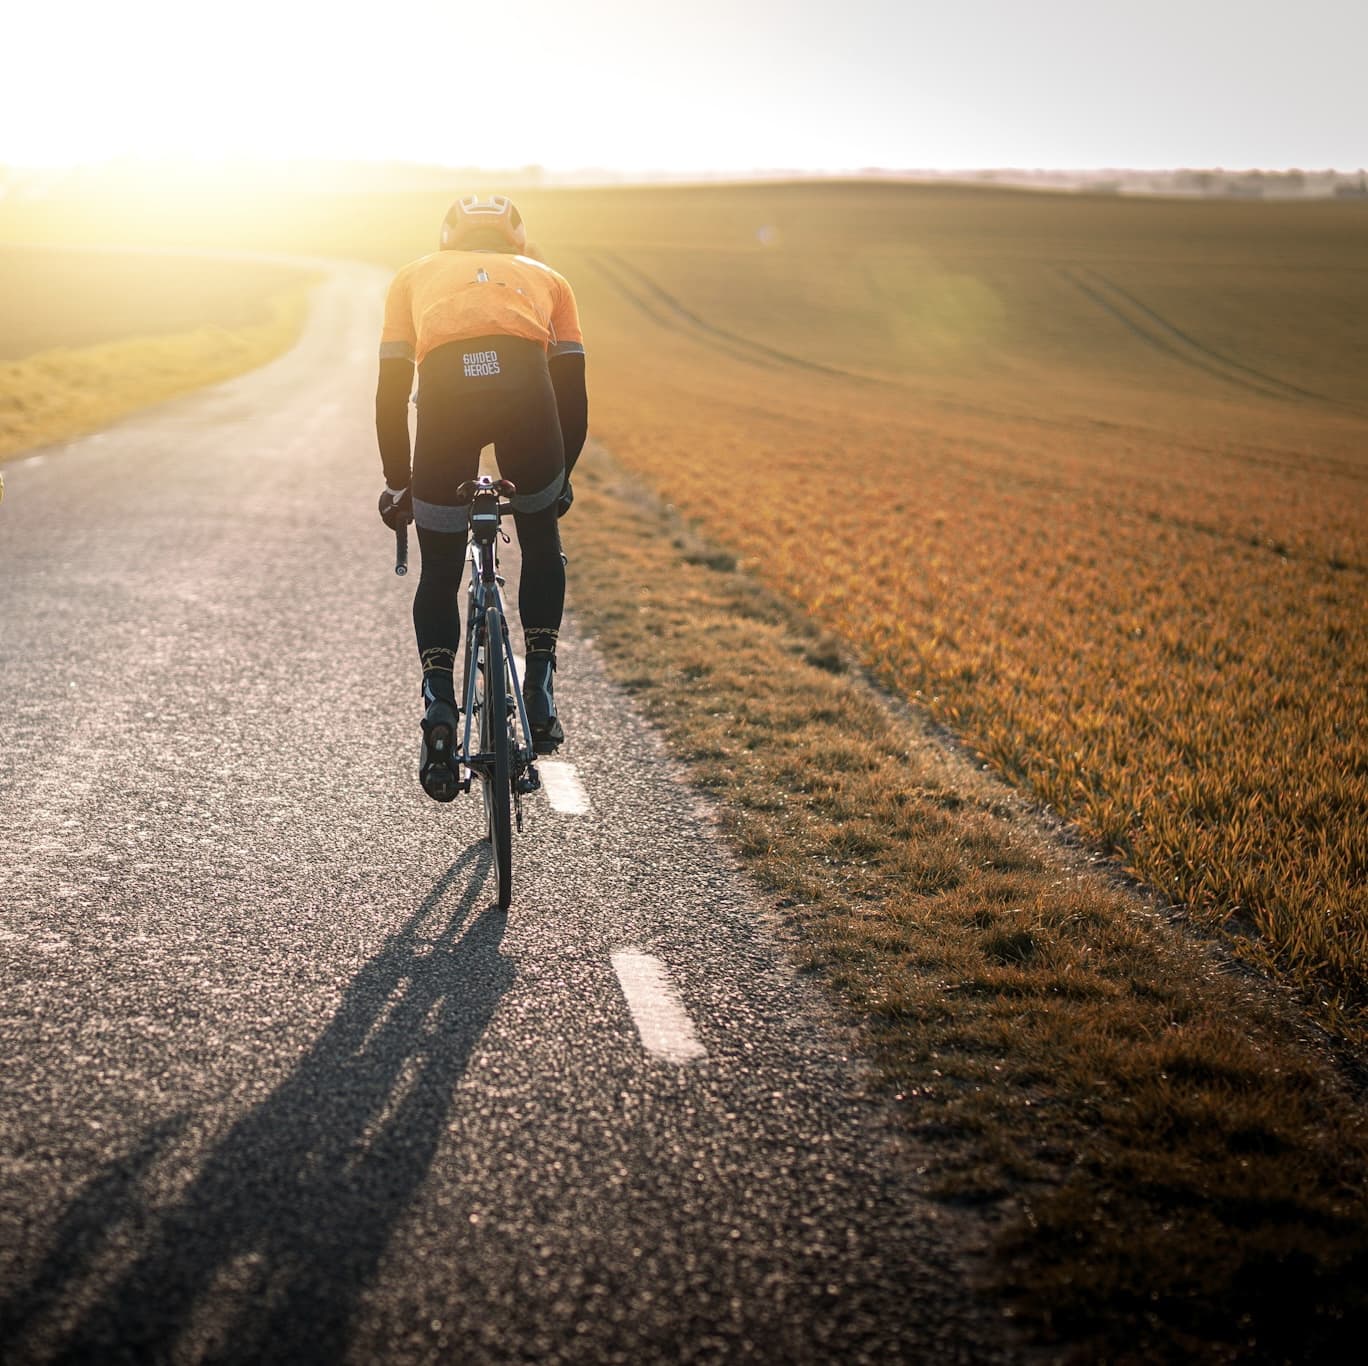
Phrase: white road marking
pixel 34 460
pixel 666 1030
pixel 562 786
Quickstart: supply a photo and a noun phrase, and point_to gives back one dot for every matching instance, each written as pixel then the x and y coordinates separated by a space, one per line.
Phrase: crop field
pixel 1086 477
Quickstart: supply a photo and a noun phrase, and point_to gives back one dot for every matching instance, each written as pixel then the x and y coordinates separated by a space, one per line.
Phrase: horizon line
pixel 529 170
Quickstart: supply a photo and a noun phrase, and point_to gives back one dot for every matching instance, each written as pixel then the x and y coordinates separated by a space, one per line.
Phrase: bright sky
pixel 701 85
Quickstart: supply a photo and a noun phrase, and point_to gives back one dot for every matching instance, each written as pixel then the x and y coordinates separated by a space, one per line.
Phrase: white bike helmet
pixel 472 222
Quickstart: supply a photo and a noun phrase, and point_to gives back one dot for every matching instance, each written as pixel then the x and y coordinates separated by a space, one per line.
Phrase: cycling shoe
pixel 437 759
pixel 538 696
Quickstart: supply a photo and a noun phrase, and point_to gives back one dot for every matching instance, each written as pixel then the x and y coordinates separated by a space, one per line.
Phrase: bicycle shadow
pixel 267 1252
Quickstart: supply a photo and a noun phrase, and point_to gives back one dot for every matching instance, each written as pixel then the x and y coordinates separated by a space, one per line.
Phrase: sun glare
pixel 600 84
pixel 612 84
pixel 162 80
pixel 155 80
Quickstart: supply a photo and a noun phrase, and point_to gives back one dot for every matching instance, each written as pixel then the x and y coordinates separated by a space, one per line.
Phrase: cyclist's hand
pixel 396 508
pixel 563 502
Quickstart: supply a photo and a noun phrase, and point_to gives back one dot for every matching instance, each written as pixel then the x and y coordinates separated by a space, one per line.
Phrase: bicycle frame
pixel 483 592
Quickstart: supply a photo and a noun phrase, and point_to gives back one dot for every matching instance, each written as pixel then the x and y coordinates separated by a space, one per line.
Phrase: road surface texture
pixel 278 1083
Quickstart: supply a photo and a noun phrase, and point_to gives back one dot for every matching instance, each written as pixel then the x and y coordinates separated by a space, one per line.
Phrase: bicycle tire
pixel 498 785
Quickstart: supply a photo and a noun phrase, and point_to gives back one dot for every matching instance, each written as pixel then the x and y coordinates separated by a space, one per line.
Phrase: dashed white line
pixel 560 782
pixel 664 1025
pixel 562 786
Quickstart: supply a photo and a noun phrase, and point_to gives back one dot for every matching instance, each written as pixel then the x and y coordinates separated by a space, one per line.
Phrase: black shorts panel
pixel 478 392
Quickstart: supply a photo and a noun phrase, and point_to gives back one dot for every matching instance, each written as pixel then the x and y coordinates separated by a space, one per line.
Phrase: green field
pixel 87 336
pixel 72 298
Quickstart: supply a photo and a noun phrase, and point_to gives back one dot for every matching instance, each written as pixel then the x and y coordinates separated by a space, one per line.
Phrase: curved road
pixel 278 1084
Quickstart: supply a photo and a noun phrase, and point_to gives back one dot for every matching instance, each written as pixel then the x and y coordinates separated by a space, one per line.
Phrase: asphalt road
pixel 278 1083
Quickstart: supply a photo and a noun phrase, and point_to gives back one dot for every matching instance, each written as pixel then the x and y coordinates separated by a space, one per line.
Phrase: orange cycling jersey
pixel 452 295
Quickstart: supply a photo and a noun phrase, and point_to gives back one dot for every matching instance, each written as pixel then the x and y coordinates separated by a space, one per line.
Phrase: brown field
pixel 1100 470
pixel 1146 1141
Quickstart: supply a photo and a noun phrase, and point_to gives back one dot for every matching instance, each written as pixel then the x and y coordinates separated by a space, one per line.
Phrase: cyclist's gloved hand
pixel 563 502
pixel 396 507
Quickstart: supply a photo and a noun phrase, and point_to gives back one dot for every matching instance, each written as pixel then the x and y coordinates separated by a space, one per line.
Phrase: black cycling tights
pixel 541 588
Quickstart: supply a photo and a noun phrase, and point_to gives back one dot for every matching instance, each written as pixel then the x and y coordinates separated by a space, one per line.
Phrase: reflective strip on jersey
pixel 451 295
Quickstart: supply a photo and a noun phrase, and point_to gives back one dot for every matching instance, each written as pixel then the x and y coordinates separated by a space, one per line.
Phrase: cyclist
pixel 495 337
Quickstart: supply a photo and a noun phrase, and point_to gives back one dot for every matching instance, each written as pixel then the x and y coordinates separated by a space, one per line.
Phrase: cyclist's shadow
pixel 271 1246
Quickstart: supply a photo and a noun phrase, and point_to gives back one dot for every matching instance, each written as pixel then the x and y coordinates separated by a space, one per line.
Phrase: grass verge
pixel 58 394
pixel 1173 1166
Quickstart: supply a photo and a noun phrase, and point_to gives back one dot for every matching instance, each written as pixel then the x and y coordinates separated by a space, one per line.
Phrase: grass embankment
pixel 1172 1174
pixel 246 316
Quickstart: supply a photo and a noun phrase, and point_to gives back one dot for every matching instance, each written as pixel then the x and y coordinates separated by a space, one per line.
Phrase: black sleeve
pixel 391 419
pixel 572 404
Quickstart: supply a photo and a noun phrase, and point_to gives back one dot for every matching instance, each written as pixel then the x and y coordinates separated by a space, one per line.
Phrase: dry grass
pixel 1167 1165
pixel 1104 505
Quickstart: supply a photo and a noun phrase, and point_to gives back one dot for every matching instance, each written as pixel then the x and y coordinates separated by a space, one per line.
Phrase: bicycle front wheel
pixel 494 741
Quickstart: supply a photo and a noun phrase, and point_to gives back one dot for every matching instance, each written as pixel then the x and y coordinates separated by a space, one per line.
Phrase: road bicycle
pixel 496 738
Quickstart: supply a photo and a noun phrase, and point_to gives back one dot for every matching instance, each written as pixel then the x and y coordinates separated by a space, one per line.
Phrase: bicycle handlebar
pixel 465 495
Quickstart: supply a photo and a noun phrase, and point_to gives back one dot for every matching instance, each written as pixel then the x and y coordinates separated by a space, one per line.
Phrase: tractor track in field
pixel 661 308
pixel 1157 332
pixel 662 318
pixel 648 296
pixel 1141 320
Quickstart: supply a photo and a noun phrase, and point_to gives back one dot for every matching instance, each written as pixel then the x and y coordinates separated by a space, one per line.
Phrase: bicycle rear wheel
pixel 494 740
